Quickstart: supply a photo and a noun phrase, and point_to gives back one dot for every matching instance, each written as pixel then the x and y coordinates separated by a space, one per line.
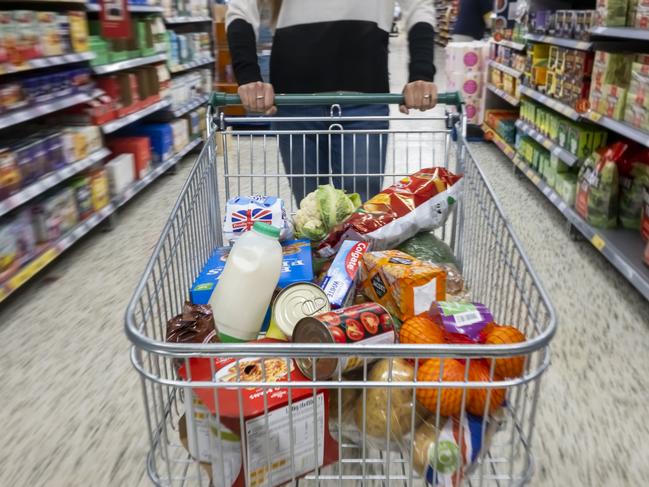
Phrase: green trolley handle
pixel 219 99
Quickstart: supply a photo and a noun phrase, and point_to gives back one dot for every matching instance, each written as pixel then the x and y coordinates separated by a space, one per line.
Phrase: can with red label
pixel 366 323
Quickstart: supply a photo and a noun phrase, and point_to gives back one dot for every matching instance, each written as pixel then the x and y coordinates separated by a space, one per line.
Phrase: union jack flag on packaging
pixel 241 212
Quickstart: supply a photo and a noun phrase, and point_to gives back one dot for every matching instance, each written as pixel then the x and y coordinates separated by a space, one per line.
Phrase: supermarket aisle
pixel 71 406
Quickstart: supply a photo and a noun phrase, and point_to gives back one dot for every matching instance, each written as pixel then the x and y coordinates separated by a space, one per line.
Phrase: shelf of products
pixel 29 113
pixel 49 181
pixel 179 68
pixel 187 20
pixel 129 63
pixel 94 7
pixel 622 33
pixel 512 100
pixel 550 145
pixel 190 105
pixel 517 46
pixel 564 110
pixel 622 248
pixel 48 254
pixel 505 69
pixel 498 141
pixel 638 135
pixel 47 62
pixel 154 174
pixel 115 125
pixel 560 41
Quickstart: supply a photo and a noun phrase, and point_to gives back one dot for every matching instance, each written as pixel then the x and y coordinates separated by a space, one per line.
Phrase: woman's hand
pixel 420 95
pixel 258 97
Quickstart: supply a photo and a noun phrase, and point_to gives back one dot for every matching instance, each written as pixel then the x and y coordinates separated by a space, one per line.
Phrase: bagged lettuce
pixel 426 246
pixel 323 209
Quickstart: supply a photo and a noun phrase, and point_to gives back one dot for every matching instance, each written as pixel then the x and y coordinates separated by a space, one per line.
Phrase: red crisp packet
pixel 420 202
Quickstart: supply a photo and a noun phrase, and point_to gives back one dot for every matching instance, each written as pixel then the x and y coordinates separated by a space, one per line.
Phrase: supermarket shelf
pixel 512 100
pixel 498 140
pixel 622 248
pixel 513 45
pixel 505 69
pixel 47 62
pixel 187 20
pixel 129 63
pixel 32 112
pixel 49 181
pixel 94 7
pixel 113 125
pixel 557 106
pixel 560 41
pixel 154 174
pixel 622 32
pixel 51 252
pixel 190 105
pixel 191 65
pixel 554 148
pixel 640 136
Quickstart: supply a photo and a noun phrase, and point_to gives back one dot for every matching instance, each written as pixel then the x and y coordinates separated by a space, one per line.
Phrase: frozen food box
pixel 296 267
pixel 308 414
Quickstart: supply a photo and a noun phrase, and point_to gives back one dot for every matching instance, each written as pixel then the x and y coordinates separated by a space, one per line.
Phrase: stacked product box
pixel 636 112
pixel 160 137
pixel 610 80
pixel 143 41
pixel 23 160
pixel 568 76
pixel 189 86
pixel 138 147
pixel 466 65
pixel 26 35
pixel 132 90
pixel 536 66
pixel 185 8
pixel 503 122
pixel 571 24
pixel 185 48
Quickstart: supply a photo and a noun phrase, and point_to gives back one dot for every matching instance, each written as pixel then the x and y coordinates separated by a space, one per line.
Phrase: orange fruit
pixel 506 335
pixel 420 329
pixel 477 398
pixel 450 399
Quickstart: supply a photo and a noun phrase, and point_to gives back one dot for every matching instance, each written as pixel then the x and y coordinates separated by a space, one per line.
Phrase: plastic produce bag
pixel 420 202
pixel 598 186
pixel 633 186
pixel 426 246
pixel 322 209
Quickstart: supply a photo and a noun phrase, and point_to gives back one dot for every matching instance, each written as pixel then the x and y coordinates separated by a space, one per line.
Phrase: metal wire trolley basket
pixel 366 427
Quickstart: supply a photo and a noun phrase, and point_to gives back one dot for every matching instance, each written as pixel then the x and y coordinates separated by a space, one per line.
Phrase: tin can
pixel 294 302
pixel 366 323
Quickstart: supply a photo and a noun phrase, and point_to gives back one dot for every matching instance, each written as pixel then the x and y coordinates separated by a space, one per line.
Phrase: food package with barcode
pixel 265 418
pixel 462 321
pixel 241 212
pixel 405 286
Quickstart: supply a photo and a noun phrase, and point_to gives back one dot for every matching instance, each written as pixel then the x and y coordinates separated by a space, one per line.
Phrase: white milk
pixel 245 288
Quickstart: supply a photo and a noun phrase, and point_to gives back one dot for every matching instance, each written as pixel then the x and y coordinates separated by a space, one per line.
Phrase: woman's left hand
pixel 420 95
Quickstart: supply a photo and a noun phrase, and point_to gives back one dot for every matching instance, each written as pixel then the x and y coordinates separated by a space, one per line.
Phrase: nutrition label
pixel 277 441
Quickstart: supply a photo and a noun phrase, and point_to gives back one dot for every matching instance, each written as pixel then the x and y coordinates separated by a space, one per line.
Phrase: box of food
pixel 28 44
pixel 50 35
pixel 138 146
pixel 99 189
pixel 306 418
pixel 160 136
pixel 405 286
pixel 297 266
pixel 611 13
pixel 55 215
pixel 10 177
pixel 83 195
pixel 78 31
pixel 121 173
pixel 339 282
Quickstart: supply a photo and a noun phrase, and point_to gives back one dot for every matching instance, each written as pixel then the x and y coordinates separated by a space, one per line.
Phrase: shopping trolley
pixel 240 161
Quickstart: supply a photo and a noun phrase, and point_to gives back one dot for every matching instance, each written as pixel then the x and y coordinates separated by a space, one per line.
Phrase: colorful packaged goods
pixel 241 212
pixel 404 285
pixel 420 202
pixel 461 321
pixel 339 282
pixel 598 186
pixel 634 181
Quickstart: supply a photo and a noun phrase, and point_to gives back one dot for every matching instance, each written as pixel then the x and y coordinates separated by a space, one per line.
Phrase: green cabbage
pixel 323 209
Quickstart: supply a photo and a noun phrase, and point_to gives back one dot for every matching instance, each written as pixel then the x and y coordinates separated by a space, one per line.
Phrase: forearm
pixel 421 37
pixel 243 50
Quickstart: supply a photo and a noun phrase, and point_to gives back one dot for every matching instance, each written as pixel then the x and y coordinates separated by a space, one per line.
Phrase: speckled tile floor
pixel 70 403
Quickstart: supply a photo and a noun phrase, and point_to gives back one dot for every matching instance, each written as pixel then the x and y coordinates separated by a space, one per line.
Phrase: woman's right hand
pixel 258 97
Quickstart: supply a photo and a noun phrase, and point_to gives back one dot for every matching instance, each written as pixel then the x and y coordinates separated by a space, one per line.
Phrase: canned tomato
pixel 293 303
pixel 367 323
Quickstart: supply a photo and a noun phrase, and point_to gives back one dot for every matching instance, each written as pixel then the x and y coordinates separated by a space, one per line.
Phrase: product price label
pixel 269 442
